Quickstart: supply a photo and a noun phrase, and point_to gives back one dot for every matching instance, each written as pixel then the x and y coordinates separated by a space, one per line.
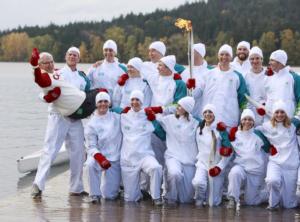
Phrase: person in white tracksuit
pixel 283 163
pixel 180 156
pixel 241 62
pixel 106 74
pixel 129 82
pixel 63 129
pixel 103 139
pixel 255 79
pixel 248 164
pixel 136 153
pixel 209 177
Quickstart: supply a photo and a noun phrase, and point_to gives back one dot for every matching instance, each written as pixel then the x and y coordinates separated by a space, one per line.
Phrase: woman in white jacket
pixel 209 177
pixel 284 157
pixel 103 137
pixel 248 163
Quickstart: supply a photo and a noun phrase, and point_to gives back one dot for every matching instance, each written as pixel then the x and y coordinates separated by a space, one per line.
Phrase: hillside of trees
pixel 270 24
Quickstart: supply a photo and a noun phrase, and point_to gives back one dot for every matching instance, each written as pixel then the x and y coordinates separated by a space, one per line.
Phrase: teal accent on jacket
pixel 296 78
pixel 179 68
pixel 267 144
pixel 242 90
pixel 88 82
pixel 123 67
pixel 180 92
pixel 159 131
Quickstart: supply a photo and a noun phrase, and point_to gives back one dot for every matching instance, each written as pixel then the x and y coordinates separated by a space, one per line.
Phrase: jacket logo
pixel 56 76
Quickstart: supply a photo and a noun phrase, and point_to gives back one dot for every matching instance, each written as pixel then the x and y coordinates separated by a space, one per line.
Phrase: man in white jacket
pixel 241 62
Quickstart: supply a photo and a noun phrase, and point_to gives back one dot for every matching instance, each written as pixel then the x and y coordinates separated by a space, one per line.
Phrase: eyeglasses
pixel 47 63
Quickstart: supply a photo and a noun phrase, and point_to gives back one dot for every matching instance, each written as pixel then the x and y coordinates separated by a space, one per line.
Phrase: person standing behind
pixel 63 129
pixel 241 62
pixel 107 72
pixel 104 138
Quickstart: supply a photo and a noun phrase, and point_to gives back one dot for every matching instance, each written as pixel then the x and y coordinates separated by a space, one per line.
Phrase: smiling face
pixel 180 111
pixel 224 58
pixel 275 66
pixel 256 62
pixel 154 55
pixel 242 53
pixel 132 72
pixel 136 105
pixel 46 63
pixel 102 107
pixel 72 58
pixel 209 117
pixel 163 69
pixel 247 123
pixel 280 116
pixel 109 54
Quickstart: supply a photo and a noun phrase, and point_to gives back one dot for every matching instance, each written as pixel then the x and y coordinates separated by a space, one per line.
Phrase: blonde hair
pixel 286 122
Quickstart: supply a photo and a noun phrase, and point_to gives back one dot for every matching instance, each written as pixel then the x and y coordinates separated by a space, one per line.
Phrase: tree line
pixel 270 24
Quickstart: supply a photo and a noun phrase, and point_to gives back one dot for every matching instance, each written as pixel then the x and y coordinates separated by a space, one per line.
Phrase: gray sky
pixel 42 12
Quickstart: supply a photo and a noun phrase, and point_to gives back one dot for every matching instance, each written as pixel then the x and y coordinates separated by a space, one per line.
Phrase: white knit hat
pixel 74 49
pixel 111 44
pixel 102 96
pixel 244 44
pixel 137 94
pixel 248 113
pixel 279 56
pixel 200 48
pixel 225 48
pixel 158 46
pixel 280 105
pixel 210 107
pixel 187 103
pixel 257 51
pixel 136 63
pixel 169 61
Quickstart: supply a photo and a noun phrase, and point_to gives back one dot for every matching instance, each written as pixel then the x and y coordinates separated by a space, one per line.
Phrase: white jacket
pixel 180 138
pixel 242 68
pixel 136 143
pixel 103 135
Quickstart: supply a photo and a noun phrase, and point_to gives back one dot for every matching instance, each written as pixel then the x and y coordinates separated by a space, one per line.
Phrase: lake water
pixel 23 122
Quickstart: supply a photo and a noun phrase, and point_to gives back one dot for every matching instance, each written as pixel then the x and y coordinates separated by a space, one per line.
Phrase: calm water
pixel 23 122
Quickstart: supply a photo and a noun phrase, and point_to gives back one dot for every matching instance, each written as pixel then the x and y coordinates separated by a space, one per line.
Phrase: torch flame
pixel 184 24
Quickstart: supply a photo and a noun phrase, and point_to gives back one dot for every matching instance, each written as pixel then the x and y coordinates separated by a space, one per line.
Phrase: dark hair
pixel 201 126
pixel 186 115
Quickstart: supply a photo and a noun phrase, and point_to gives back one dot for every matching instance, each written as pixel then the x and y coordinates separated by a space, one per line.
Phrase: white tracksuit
pixel 63 129
pixel 282 167
pixel 106 75
pixel 248 168
pixel 242 68
pixel 280 86
pixel 121 95
pixel 180 156
pixel 137 156
pixel 198 73
pixel 209 188
pixel 256 85
pixel 103 135
pixel 225 90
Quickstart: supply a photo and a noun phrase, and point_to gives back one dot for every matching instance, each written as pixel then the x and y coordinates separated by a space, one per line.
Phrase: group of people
pixel 155 128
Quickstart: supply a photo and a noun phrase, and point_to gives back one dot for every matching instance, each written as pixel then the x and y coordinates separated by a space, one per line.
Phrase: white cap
pixel 279 56
pixel 248 113
pixel 136 63
pixel 200 48
pixel 210 107
pixel 74 49
pixel 244 44
pixel 280 105
pixel 158 46
pixel 187 103
pixel 225 48
pixel 102 96
pixel 169 61
pixel 111 44
pixel 137 94
pixel 256 51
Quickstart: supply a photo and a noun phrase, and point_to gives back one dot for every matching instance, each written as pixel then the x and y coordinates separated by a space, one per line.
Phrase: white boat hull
pixel 30 162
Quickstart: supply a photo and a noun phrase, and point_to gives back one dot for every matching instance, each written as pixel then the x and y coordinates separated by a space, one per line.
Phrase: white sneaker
pixel 35 192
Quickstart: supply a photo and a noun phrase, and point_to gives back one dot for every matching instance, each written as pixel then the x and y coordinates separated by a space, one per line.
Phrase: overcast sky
pixel 42 12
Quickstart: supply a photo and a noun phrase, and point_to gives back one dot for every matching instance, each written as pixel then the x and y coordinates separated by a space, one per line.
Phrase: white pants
pixel 207 188
pixel 62 129
pixel 253 184
pixel 131 178
pixel 179 181
pixel 104 183
pixel 281 184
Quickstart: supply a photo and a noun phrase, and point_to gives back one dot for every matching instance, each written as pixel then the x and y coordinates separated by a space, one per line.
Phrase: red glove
pixel 35 55
pixel 126 109
pixel 177 76
pixel 102 90
pixel 221 126
pixel 261 111
pixel 156 109
pixel 150 114
pixel 232 133
pixel 225 151
pixel 269 71
pixel 215 171
pixel 103 162
pixel 191 83
pixel 273 150
pixel 52 95
pixel 122 79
